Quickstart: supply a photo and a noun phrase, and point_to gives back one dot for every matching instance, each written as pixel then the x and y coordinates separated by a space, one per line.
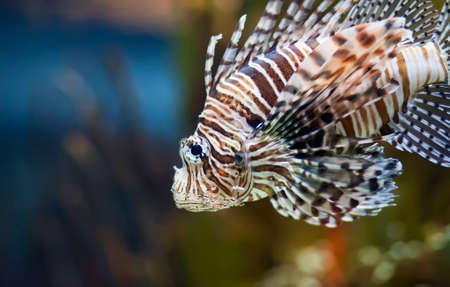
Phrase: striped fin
pixel 287 19
pixel 260 35
pixel 315 18
pixel 443 32
pixel 338 56
pixel 338 77
pixel 328 23
pixel 302 23
pixel 308 25
pixel 210 61
pixel 329 188
pixel 298 20
pixel 234 58
pixel 315 98
pixel 230 52
pixel 306 128
pixel 421 16
pixel 425 126
pixel 333 25
pixel 269 18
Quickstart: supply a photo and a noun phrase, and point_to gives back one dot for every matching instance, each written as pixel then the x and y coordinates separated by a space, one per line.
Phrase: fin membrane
pixel 421 15
pixel 443 32
pixel 311 20
pixel 324 90
pixel 334 178
pixel 297 21
pixel 331 188
pixel 425 126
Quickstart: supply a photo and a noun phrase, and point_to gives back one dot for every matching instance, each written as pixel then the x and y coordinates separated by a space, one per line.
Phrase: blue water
pixel 33 59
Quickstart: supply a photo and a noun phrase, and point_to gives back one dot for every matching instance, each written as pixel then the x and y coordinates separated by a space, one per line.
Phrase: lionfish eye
pixel 196 149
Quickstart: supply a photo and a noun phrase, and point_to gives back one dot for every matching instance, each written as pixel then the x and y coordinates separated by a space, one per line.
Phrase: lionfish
pixel 297 112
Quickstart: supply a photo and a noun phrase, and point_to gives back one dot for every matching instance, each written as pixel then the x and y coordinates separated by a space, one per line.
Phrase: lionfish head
pixel 200 185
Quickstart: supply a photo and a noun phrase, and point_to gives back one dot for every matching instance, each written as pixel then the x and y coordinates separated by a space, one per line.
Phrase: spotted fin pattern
pixel 329 179
pixel 289 114
pixel 421 17
pixel 302 23
pixel 335 80
pixel 330 188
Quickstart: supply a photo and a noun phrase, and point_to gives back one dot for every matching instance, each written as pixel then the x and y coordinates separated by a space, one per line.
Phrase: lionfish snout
pixel 192 189
pixel 192 195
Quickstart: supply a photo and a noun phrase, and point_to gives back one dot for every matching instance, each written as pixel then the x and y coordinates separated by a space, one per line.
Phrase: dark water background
pixel 90 117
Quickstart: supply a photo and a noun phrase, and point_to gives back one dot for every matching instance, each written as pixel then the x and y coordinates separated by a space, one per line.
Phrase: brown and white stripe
pixel 269 101
pixel 413 68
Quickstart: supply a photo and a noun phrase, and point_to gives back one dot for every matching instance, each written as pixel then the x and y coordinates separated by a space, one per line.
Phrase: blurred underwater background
pixel 94 97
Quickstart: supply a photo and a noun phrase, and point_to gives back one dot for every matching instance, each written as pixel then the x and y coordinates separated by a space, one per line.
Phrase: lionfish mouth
pixel 198 206
pixel 194 203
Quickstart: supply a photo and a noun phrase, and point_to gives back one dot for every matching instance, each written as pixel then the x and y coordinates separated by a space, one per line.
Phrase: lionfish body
pixel 297 112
